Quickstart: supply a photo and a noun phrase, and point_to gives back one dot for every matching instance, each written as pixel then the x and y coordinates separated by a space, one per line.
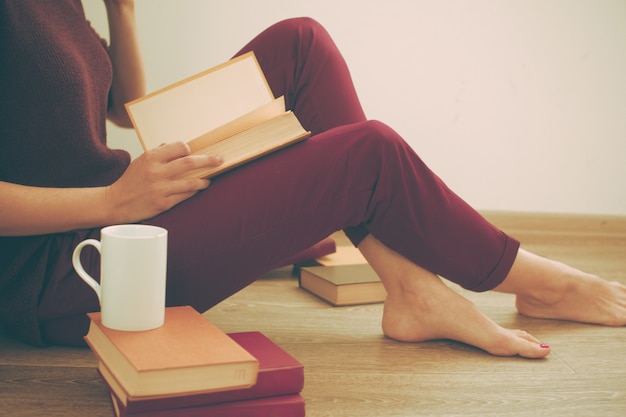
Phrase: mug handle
pixel 79 267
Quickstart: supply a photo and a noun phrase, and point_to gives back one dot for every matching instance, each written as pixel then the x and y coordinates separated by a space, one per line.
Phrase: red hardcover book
pixel 281 406
pixel 279 374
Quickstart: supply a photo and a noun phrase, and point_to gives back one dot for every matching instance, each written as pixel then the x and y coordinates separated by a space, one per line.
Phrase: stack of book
pixel 342 278
pixel 189 367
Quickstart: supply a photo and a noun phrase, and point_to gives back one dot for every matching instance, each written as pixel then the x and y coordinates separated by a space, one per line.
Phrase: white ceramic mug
pixel 133 262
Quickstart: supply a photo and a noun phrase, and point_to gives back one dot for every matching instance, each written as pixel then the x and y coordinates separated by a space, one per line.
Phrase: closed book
pixel 342 285
pixel 280 406
pixel 279 374
pixel 187 353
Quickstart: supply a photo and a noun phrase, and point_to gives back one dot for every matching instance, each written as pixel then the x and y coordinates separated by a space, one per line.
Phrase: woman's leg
pixel 550 289
pixel 301 62
pixel 318 86
pixel 362 174
pixel 252 218
pixel 420 307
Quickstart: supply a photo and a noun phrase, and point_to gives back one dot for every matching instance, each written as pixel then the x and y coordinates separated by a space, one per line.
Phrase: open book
pixel 228 110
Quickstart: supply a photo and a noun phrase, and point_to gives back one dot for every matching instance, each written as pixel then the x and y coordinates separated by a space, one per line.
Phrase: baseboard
pixel 550 223
pixel 546 224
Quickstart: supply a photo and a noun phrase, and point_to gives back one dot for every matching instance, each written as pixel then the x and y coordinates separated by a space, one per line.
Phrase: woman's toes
pixel 519 343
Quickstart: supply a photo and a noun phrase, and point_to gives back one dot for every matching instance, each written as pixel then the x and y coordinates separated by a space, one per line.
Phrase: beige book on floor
pixel 342 285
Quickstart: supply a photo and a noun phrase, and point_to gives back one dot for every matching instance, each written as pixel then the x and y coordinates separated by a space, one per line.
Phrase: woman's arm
pixel 149 186
pixel 128 73
pixel 26 210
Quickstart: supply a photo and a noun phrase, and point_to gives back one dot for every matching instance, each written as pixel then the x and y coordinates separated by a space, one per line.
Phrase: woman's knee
pixel 370 137
pixel 301 26
pixel 381 135
pixel 301 36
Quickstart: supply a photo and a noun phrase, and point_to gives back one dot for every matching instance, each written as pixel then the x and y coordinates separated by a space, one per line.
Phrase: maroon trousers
pixel 352 174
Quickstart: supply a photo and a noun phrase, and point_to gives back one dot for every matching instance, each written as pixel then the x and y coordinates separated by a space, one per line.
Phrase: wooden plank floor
pixel 352 370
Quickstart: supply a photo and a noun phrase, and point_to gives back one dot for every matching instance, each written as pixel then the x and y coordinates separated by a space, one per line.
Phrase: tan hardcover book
pixel 227 110
pixel 342 285
pixel 187 354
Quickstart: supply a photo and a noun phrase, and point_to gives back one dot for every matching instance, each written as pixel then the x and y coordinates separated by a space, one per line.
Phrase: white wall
pixel 518 104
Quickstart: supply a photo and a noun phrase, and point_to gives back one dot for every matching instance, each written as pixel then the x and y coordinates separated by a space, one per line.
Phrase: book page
pixel 192 107
pixel 267 137
pixel 259 115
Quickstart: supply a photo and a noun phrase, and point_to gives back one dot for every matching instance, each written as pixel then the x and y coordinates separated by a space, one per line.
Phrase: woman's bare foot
pixel 437 312
pixel 420 307
pixel 551 290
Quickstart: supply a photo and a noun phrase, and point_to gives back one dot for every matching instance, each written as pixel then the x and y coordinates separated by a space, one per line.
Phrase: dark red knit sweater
pixel 55 77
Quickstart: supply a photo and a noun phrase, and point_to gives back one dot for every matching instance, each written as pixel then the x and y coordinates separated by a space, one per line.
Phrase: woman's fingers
pixel 177 161
pixel 181 166
pixel 170 151
pixel 154 181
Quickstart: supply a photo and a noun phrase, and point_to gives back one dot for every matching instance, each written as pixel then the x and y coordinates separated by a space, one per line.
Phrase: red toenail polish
pixel 544 346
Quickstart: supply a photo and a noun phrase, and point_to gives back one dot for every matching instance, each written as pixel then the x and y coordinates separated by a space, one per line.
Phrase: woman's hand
pixel 153 182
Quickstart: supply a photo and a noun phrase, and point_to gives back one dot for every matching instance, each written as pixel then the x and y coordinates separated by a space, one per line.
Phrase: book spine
pixel 269 384
pixel 283 406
